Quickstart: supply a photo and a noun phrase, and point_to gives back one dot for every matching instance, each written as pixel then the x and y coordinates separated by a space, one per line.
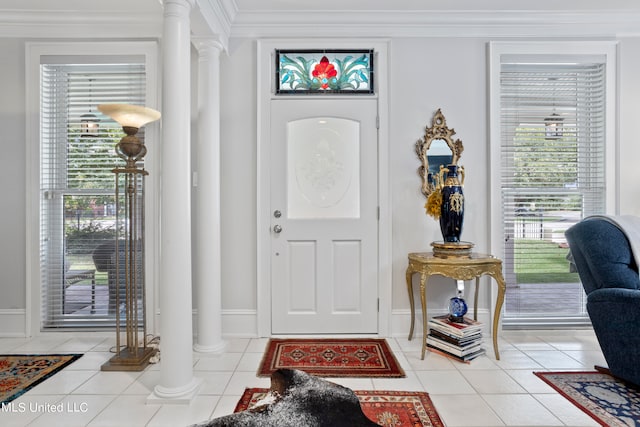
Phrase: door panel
pixel 302 298
pixel 324 216
pixel 346 262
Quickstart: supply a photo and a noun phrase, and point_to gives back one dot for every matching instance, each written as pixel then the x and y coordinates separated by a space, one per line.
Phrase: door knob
pixel 277 229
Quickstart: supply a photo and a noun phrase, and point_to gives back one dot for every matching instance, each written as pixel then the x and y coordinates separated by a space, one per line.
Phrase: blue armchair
pixel 609 273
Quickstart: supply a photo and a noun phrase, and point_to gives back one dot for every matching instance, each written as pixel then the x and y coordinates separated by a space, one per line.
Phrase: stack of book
pixel 461 341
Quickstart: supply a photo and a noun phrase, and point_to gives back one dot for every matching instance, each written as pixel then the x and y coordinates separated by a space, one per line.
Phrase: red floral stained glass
pixel 324 71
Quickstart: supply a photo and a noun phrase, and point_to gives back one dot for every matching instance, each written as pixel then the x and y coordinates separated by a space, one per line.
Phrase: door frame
pixel 265 93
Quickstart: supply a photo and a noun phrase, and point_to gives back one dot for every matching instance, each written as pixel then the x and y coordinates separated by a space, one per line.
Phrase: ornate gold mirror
pixel 436 148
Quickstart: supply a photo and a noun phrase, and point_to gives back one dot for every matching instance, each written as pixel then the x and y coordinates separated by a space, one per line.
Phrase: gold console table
pixel 458 268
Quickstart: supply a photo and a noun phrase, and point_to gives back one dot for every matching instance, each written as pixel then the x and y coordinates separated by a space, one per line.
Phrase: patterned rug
pixel 19 373
pixel 608 401
pixel 387 408
pixel 361 357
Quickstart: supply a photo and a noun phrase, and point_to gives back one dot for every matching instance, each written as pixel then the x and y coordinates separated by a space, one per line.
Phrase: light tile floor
pixel 484 393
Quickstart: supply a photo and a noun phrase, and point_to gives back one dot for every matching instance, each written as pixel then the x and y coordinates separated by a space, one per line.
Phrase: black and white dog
pixel 297 399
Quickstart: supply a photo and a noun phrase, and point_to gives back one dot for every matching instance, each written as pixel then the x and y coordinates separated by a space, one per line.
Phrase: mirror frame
pixel 438 130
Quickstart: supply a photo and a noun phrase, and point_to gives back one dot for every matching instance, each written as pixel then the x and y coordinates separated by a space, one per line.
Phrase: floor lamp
pixel 129 249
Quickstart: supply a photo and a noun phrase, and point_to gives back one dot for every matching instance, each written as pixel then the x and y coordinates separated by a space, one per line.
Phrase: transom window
pixel 316 71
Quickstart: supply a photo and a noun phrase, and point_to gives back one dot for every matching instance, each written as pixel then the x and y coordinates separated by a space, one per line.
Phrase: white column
pixel 207 231
pixel 177 383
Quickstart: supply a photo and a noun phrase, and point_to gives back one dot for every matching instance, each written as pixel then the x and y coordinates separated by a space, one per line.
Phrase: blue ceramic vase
pixel 452 211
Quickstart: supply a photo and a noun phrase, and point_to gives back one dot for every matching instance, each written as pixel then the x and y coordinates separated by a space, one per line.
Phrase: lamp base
pixel 129 360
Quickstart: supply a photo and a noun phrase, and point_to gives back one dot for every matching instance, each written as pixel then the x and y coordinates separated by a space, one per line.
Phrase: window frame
pixel 67 52
pixel 606 49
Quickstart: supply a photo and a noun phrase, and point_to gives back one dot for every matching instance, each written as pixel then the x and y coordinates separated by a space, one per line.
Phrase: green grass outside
pixel 85 262
pixel 539 261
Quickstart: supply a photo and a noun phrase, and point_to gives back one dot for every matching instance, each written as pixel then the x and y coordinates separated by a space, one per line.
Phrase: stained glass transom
pixel 324 71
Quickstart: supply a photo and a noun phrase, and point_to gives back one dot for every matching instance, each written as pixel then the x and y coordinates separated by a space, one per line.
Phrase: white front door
pixel 324 216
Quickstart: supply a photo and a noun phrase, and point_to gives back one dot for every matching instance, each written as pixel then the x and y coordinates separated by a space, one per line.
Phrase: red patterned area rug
pixel 387 408
pixel 19 373
pixel 360 357
pixel 610 402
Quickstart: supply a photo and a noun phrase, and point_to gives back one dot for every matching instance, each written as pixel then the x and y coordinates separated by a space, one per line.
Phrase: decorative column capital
pixel 172 7
pixel 190 3
pixel 208 46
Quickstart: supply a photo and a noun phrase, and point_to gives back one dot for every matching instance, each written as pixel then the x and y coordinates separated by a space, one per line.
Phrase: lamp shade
pixel 129 115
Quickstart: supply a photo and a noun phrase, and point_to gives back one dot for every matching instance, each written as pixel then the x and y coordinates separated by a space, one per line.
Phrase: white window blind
pixel 553 174
pixel 77 186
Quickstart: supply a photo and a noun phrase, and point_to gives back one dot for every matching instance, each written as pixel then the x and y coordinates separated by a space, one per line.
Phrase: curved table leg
pixel 423 302
pixel 475 300
pixel 409 275
pixel 497 276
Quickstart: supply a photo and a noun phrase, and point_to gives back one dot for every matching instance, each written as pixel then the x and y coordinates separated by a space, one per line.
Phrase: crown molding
pixel 425 23
pixel 214 18
pixel 222 19
pixel 79 24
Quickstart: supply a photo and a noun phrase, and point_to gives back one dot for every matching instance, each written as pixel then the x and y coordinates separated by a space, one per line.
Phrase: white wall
pixel 426 74
pixel 12 175
pixel 238 169
pixel 629 131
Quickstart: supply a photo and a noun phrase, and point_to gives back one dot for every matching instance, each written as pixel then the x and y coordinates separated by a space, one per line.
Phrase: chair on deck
pixel 72 277
pixel 104 257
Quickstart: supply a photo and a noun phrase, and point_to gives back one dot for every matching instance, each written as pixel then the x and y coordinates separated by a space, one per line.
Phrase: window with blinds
pixel 552 138
pixel 77 188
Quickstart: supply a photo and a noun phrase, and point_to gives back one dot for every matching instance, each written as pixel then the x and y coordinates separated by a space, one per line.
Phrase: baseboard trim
pixel 240 323
pixel 235 323
pixel 244 323
pixel 13 322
